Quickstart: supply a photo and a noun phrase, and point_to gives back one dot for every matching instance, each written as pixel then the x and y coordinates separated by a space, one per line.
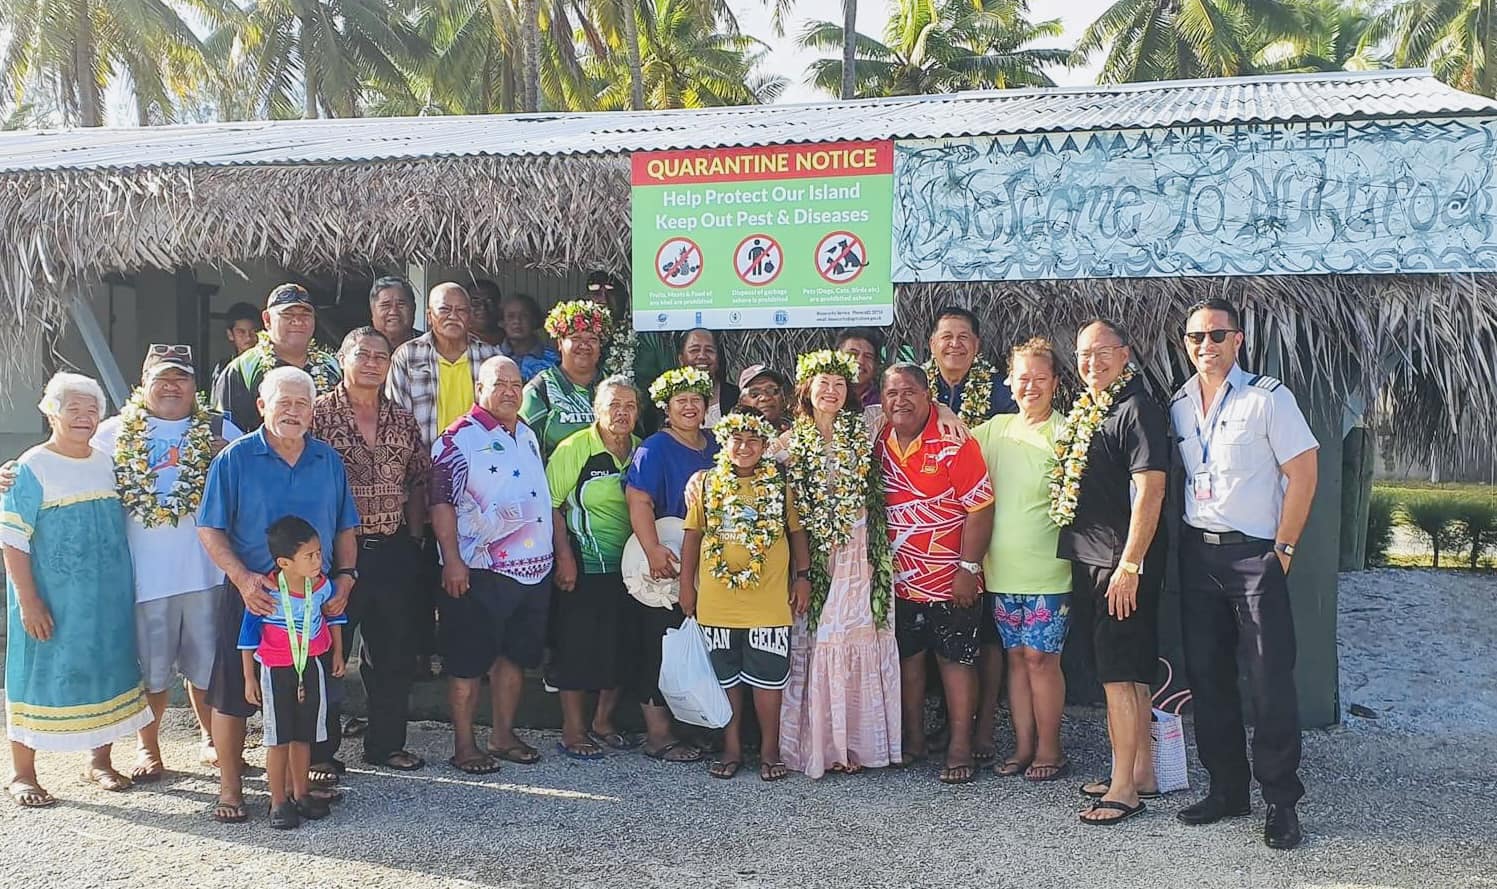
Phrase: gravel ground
pixel 1402 800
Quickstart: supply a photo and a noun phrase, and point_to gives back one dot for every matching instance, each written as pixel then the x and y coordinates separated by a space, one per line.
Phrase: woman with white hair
pixel 72 682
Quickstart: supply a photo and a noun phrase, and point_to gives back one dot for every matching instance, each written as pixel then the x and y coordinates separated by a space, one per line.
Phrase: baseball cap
pixel 163 356
pixel 754 371
pixel 289 295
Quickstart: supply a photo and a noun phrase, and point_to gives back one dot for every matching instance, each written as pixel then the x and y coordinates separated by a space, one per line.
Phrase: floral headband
pixel 826 361
pixel 736 423
pixel 674 382
pixel 578 316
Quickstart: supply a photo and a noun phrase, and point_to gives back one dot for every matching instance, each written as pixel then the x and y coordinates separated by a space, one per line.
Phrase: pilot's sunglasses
pixel 1217 336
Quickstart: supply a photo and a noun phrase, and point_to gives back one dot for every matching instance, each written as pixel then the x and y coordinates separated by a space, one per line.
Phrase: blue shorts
pixel 1037 622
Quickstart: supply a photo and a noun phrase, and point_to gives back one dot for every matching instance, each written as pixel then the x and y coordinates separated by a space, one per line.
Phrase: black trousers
pixel 380 607
pixel 1236 620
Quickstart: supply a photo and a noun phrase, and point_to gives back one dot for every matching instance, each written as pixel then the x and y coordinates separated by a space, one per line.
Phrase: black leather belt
pixel 1225 538
pixel 375 541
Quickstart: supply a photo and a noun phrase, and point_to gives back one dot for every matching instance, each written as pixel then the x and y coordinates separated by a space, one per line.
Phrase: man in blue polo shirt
pixel 276 471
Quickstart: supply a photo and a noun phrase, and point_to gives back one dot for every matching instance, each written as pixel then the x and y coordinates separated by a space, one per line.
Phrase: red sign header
pixel 818 161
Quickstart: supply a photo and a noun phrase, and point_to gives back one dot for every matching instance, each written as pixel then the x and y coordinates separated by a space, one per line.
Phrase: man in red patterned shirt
pixel 940 508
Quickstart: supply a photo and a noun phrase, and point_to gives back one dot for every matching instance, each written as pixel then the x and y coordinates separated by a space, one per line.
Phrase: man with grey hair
pixel 276 471
pixel 434 376
pixel 491 508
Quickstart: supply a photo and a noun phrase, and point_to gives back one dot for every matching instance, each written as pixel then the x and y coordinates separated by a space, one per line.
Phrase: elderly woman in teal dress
pixel 72 682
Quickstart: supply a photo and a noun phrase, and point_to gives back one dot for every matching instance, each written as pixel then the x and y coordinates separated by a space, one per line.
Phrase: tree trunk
pixel 849 48
pixel 85 73
pixel 636 64
pixel 530 21
pixel 311 83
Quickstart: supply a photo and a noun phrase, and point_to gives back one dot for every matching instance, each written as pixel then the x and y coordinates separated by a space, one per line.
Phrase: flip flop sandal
pixel 949 774
pixel 325 795
pixel 229 813
pixel 286 816
pixel 725 769
pixel 520 753
pixel 106 779
pixel 1111 806
pixel 1056 770
pixel 325 773
pixel 482 764
pixel 401 761
pixel 773 771
pixel 1010 768
pixel 578 752
pixel 312 809
pixel 615 740
pixel 1107 785
pixel 663 753
pixel 148 774
pixel 30 795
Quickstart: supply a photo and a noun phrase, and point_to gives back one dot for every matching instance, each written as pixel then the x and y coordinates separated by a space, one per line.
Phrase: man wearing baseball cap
pixel 766 390
pixel 177 587
pixel 290 321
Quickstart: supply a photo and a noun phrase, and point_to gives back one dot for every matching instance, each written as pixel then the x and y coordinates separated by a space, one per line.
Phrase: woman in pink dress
pixel 841 708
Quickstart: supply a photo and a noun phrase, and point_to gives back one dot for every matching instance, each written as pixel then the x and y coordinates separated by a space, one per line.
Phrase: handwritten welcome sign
pixel 1269 199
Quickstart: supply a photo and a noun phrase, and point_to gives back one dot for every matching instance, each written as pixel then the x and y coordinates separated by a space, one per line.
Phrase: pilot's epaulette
pixel 1265 382
pixel 1178 395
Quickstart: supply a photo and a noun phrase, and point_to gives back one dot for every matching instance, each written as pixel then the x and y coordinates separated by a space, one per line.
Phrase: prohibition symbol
pixel 678 262
pixel 758 260
pixel 841 257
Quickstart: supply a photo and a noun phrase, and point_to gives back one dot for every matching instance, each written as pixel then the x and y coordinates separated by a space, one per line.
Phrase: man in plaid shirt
pixel 427 374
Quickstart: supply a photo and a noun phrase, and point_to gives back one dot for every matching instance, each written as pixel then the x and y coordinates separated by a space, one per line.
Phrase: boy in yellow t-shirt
pixel 742 533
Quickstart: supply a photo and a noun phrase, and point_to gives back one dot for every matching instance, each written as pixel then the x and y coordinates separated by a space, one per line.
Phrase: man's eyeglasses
pixel 1102 353
pixel 762 392
pixel 1217 336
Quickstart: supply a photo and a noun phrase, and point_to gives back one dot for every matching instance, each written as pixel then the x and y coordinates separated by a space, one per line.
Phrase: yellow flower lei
pixel 832 486
pixel 1073 444
pixel 322 365
pixel 136 480
pixel 977 397
pixel 767 502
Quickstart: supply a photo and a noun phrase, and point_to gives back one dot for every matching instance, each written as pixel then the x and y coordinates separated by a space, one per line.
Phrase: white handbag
pixel 687 680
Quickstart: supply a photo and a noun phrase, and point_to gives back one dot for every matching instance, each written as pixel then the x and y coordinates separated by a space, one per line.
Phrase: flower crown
pixel 736 423
pixel 674 382
pixel 826 361
pixel 577 316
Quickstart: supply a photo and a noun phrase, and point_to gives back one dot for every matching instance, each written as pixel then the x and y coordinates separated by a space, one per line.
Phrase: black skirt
pixel 587 634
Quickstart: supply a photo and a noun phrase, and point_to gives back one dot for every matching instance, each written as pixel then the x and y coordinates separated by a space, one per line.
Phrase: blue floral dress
pixel 80 689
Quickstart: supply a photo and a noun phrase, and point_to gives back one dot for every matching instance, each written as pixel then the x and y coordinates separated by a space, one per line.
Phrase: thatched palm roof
pixel 91 204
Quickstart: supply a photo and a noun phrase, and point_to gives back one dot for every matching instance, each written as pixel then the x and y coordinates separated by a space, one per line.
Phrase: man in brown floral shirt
pixel 387 463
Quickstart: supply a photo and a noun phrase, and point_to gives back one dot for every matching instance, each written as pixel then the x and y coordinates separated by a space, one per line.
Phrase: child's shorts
pixel 759 656
pixel 286 718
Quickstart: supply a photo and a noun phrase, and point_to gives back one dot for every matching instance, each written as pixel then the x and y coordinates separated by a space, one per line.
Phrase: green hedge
pixel 1458 521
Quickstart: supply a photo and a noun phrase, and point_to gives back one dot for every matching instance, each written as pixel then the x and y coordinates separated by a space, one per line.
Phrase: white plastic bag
pixel 1168 734
pixel 688 681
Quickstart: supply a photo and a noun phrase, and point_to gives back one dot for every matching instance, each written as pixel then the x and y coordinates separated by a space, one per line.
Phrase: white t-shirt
pixel 168 559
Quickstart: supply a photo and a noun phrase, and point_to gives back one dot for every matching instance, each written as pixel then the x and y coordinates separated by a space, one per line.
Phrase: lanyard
pixel 300 648
pixel 1211 425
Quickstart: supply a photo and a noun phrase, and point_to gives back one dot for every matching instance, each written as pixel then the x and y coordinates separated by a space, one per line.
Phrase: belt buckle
pixel 1211 537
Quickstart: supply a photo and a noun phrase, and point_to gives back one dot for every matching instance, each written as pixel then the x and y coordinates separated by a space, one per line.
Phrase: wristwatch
pixel 352 573
pixel 803 574
pixel 972 568
pixel 1285 548
pixel 1130 568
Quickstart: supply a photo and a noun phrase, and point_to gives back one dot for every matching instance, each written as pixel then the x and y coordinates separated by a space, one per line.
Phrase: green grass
pixel 1454 487
pixel 1457 521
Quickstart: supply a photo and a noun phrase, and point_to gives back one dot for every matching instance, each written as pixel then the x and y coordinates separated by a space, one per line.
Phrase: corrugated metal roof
pixel 1225 101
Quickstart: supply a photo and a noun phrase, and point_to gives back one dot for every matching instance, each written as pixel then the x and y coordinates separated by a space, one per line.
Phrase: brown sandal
pixel 106 779
pixel 30 795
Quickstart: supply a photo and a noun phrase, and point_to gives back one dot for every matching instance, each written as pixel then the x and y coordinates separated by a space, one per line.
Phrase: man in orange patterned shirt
pixel 940 509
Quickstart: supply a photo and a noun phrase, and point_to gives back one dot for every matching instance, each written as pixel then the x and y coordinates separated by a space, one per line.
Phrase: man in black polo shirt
pixel 1110 532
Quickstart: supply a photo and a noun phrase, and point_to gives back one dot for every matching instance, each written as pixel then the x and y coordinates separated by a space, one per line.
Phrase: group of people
pixel 835 535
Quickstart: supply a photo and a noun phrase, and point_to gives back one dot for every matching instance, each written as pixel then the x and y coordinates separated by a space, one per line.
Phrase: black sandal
pixel 1107 785
pixel 286 816
pixel 725 769
pixel 1111 806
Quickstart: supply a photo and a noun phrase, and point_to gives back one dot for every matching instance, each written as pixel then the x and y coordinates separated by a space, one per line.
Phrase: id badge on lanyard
pixel 1200 483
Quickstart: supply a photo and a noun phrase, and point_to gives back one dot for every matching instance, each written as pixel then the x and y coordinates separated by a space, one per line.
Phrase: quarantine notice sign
pixel 778 236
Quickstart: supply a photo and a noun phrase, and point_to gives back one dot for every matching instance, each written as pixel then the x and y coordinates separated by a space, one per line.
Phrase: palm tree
pixel 1182 39
pixel 849 87
pixel 79 47
pixel 1457 39
pixel 1332 37
pixel 936 46
pixel 689 60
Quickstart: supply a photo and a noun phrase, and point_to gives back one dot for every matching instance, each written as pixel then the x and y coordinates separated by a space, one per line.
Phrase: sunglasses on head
pixel 1217 336
pixel 169 351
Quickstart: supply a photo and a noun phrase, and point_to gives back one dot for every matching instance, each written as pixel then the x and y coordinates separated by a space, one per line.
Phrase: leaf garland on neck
pixel 322 365
pixel 977 395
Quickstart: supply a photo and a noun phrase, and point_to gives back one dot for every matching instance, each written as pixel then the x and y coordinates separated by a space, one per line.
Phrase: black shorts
pixel 1125 650
pixel 951 631
pixel 987 628
pixel 497 617
pixel 226 685
pixel 288 719
pixel 759 656
pixel 586 642
pixel 643 629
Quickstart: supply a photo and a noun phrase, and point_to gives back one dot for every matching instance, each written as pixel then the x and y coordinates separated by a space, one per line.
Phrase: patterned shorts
pixel 1037 622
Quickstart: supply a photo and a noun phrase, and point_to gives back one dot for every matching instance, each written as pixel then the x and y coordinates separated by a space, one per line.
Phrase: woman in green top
pixel 1030 587
pixel 590 648
pixel 559 400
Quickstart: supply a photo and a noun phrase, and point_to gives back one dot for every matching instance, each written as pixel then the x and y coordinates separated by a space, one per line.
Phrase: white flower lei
pixel 1073 444
pixel 977 396
pixel 768 502
pixel 621 347
pixel 135 478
